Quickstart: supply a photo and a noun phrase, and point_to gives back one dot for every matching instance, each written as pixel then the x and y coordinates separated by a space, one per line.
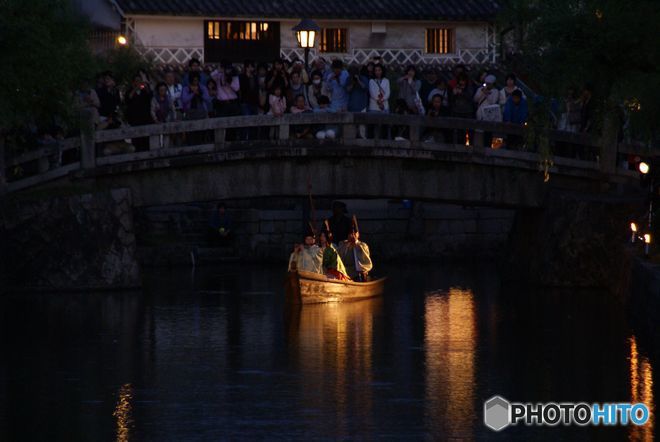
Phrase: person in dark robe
pixel 339 223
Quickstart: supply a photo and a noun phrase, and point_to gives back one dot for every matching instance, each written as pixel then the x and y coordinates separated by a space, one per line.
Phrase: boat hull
pixel 312 288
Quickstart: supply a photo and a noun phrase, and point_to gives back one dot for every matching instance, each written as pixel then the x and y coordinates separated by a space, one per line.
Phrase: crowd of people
pixel 289 87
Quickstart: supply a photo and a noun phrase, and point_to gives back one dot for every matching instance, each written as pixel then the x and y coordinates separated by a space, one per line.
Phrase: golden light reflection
pixel 123 412
pixel 641 390
pixel 334 344
pixel 450 343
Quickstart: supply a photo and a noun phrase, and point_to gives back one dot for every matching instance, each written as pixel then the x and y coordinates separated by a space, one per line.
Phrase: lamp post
pixel 306 32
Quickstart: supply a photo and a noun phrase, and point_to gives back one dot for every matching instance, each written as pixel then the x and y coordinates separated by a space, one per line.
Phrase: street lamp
pixel 644 168
pixel 122 40
pixel 306 32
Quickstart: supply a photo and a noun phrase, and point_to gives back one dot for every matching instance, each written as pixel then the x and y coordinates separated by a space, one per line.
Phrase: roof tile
pixel 334 9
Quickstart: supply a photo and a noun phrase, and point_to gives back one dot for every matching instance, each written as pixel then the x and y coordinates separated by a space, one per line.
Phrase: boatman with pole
pixel 355 255
pixel 307 257
pixel 332 263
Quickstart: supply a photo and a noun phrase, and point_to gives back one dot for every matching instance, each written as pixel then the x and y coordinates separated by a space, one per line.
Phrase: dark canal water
pixel 217 356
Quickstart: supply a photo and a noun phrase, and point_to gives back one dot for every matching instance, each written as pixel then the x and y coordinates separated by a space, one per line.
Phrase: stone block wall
pixel 84 241
pixel 267 229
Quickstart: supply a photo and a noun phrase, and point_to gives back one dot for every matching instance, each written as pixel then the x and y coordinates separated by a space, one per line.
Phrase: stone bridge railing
pixel 264 132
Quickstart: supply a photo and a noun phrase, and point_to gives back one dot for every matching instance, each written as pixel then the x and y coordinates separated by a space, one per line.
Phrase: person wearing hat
pixel 308 256
pixel 339 224
pixel 486 95
pixel 355 255
pixel 333 266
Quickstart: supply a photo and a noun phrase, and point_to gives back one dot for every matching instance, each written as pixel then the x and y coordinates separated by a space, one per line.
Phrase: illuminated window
pixel 333 40
pixel 439 41
pixel 236 30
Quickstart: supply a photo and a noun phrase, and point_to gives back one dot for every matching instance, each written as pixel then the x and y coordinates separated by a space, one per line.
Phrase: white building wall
pixel 398 35
pixel 170 32
pixel 176 40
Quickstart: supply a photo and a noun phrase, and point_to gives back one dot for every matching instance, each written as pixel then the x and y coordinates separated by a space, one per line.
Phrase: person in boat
pixel 339 224
pixel 307 257
pixel 333 266
pixel 355 255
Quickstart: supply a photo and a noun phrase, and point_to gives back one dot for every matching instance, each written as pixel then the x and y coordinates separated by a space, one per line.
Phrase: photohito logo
pixel 500 413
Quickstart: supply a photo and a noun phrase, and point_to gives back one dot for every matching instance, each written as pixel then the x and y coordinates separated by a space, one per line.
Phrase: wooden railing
pixel 264 131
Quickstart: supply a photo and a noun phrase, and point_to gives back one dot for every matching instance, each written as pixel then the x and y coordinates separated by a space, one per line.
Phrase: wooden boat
pixel 312 288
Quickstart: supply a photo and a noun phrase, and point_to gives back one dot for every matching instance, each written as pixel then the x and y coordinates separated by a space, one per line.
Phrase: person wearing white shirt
pixel 379 91
pixel 486 95
pixel 509 87
pixel 174 89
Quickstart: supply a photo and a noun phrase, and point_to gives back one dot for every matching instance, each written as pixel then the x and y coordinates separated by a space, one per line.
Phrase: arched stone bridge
pixel 452 170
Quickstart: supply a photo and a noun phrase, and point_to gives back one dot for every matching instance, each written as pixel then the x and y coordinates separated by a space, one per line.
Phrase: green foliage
pixel 610 44
pixel 45 56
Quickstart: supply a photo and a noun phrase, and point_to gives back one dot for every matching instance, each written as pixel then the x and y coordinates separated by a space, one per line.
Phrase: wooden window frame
pixel 235 30
pixel 440 41
pixel 236 40
pixel 341 36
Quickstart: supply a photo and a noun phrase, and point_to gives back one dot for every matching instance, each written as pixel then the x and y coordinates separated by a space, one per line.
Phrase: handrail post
pixel 155 142
pixel 478 138
pixel 414 132
pixel 609 145
pixel 349 130
pixel 284 131
pixel 3 166
pixel 87 143
pixel 219 137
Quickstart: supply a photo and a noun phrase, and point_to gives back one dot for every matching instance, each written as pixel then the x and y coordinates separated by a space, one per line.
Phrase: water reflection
pixel 222 361
pixel 450 344
pixel 333 344
pixel 123 411
pixel 641 390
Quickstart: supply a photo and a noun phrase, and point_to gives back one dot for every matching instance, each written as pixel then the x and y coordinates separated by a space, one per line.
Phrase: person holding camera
pixel 109 98
pixel 228 86
pixel 138 108
pixel 409 87
pixel 277 77
pixel 249 89
pixel 298 66
pixel 461 96
pixel 358 95
pixel 315 90
pixel 486 96
pixel 336 82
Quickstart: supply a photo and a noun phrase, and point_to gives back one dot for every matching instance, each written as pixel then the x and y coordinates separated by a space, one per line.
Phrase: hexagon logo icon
pixel 496 413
